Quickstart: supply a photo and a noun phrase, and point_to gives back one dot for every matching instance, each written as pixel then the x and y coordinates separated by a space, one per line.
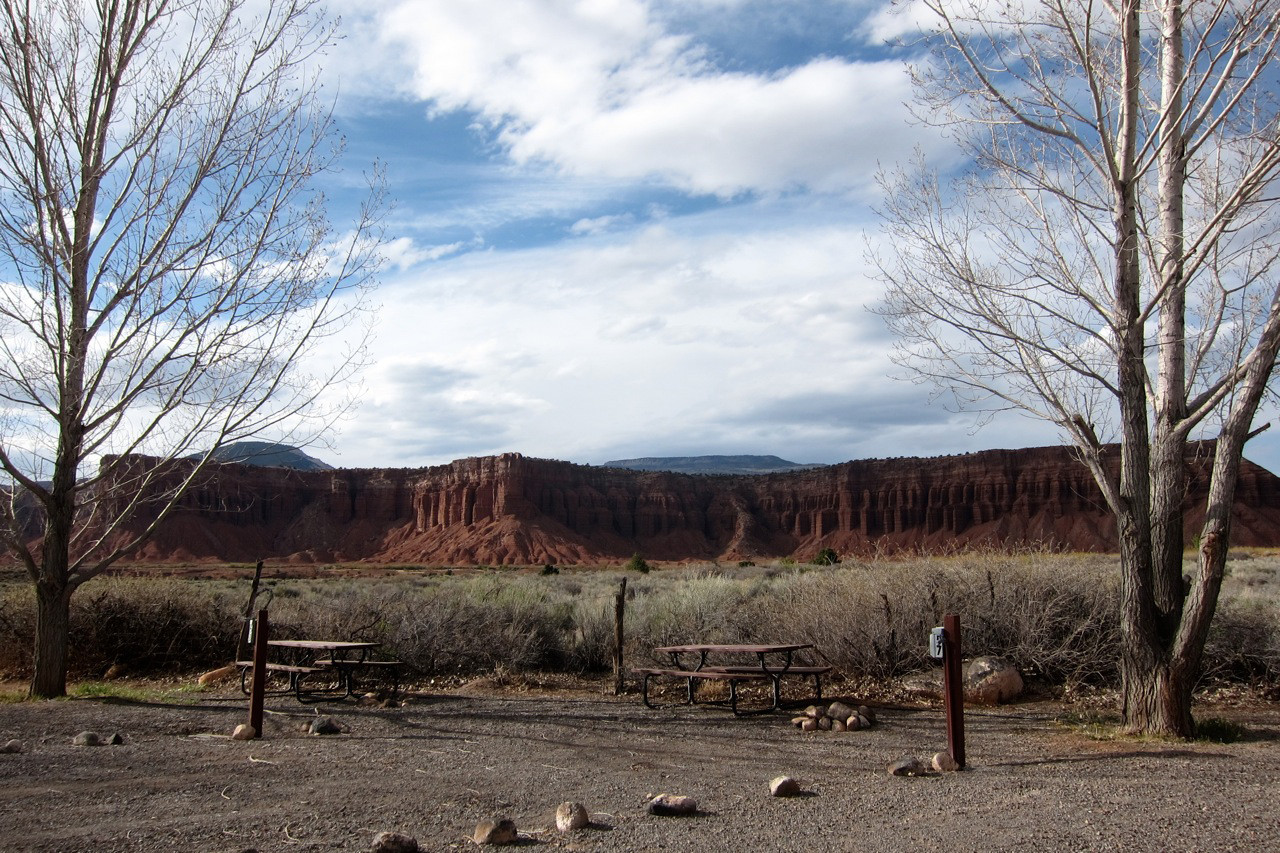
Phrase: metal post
pixel 619 611
pixel 953 687
pixel 257 692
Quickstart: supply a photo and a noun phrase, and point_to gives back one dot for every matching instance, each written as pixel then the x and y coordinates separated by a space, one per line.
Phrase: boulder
pixel 908 765
pixel 394 842
pixel 944 762
pixel 672 805
pixel 324 726
pixel 217 676
pixel 784 786
pixel 991 681
pixel 244 731
pixel 500 831
pixel 571 816
pixel 839 711
pixel 11 747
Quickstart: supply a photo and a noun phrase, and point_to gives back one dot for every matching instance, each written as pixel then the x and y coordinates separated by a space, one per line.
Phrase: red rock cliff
pixel 519 511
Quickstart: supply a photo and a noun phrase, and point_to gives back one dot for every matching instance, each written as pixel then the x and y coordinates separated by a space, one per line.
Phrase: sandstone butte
pixel 515 510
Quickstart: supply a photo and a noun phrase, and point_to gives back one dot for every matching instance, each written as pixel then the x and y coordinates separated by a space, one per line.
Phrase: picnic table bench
pixel 774 661
pixel 344 665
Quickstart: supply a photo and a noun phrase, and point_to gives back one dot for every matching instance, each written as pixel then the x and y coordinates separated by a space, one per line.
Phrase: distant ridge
pixel 268 455
pixel 710 464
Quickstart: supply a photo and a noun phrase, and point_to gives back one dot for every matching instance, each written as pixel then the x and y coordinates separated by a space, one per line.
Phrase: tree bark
pixel 53 632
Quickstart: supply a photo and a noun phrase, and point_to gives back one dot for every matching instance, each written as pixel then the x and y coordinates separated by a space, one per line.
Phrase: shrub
pixel 637 564
pixel 826 557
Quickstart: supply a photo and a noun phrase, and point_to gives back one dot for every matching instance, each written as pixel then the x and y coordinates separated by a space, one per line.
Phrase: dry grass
pixel 1052 614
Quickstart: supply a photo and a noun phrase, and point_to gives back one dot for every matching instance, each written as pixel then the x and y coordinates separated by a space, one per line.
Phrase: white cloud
pixel 600 90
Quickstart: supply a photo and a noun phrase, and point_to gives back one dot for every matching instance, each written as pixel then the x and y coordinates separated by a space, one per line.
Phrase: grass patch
pixel 1218 730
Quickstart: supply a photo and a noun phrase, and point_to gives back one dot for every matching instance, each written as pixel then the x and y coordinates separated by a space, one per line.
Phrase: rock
pixel 991 681
pixel 839 711
pixel 87 739
pixel 571 816
pixel 798 721
pixel 116 739
pixel 216 676
pixel 784 786
pixel 116 670
pixel 853 723
pixel 943 762
pixel 868 712
pixel 673 805
pixel 908 766
pixel 500 831
pixel 11 747
pixel 809 725
pixel 394 842
pixel 824 724
pixel 815 712
pixel 244 731
pixel 863 722
pixel 839 726
pixel 456 513
pixel 924 685
pixel 324 726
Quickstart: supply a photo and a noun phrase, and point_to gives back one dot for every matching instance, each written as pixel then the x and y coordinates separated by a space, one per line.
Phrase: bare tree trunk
pixel 53 629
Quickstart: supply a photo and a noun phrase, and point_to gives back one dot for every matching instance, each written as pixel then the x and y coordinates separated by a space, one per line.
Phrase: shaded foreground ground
pixel 437 766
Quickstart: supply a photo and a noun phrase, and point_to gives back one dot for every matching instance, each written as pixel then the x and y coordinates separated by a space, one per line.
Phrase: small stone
pixel 853 723
pixel 394 842
pixel 244 731
pixel 868 712
pixel 87 739
pixel 908 766
pixel 815 711
pixel 324 726
pixel 809 725
pixel 840 711
pixel 784 786
pixel 12 747
pixel 571 816
pixel 116 739
pixel 501 831
pixel 839 726
pixel 944 762
pixel 673 805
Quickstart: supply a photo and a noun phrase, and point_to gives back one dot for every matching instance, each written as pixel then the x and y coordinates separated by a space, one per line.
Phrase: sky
pixel 628 228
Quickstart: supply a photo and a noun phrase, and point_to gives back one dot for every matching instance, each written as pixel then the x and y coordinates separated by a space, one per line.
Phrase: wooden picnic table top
pixel 736 648
pixel 322 645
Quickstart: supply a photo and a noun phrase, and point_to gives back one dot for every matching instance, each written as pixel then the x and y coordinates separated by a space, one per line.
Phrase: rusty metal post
pixel 258 691
pixel 953 687
pixel 619 611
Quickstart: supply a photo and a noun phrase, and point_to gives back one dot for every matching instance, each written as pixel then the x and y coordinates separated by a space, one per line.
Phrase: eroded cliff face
pixel 513 510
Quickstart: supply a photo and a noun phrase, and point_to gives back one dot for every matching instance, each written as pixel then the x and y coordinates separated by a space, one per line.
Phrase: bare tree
pixel 168 273
pixel 1106 262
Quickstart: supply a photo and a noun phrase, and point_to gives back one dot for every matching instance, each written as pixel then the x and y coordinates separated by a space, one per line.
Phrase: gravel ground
pixel 443 762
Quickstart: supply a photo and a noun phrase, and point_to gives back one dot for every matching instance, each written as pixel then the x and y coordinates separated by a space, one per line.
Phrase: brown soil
pixel 447 760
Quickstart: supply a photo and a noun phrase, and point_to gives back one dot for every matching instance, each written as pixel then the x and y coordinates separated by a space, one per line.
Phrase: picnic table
pixel 773 662
pixel 335 667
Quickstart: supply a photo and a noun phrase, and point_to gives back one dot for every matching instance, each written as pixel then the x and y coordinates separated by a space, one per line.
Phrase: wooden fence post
pixel 619 612
pixel 953 687
pixel 259 689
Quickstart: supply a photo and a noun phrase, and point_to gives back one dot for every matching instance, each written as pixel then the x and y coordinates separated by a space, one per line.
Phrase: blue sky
pixel 635 228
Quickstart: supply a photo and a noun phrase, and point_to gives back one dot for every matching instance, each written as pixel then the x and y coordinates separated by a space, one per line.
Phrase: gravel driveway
pixel 437 766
